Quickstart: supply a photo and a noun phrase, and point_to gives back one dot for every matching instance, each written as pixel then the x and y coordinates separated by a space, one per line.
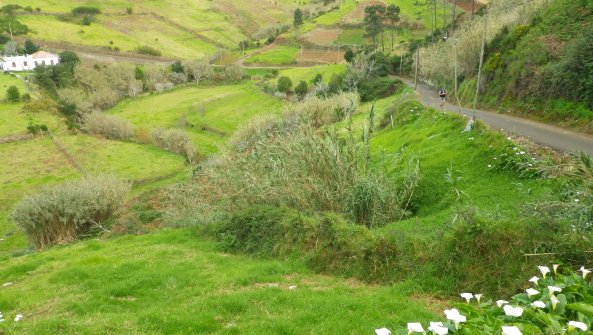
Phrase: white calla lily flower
pixel 382 331
pixel 531 292
pixel 554 289
pixel 451 314
pixel 554 301
pixel 512 330
pixel 513 311
pixel 478 297
pixel 534 279
pixel 415 327
pixel 584 271
pixel 438 328
pixel 18 317
pixel 500 303
pixel 467 296
pixel 578 325
pixel 544 270
pixel 538 304
pixel 555 267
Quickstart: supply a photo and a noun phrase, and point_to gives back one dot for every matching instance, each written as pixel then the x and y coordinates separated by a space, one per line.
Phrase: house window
pixel 52 62
pixel 13 64
pixel 43 62
pixel 25 63
pixel 36 63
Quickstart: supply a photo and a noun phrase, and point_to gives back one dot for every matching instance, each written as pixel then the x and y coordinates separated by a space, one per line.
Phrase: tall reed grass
pixel 76 209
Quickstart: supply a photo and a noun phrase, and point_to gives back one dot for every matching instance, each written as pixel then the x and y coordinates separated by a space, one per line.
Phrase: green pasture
pixel 307 74
pixel 279 55
pixel 176 282
pixel 208 114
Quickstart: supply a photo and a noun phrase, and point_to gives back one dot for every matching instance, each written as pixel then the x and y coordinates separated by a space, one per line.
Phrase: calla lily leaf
pixel 581 307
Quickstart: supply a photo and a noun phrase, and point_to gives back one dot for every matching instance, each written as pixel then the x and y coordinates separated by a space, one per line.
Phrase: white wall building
pixel 28 62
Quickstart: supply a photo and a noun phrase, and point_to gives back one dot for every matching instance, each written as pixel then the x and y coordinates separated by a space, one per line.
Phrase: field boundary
pixel 66 154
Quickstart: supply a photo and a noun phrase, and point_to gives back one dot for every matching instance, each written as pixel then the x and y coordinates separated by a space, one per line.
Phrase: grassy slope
pixel 174 282
pixel 178 28
pixel 279 55
pixel 221 108
pixel 437 140
pixel 515 67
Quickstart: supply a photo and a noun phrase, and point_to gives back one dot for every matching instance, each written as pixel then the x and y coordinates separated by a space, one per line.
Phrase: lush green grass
pixel 352 36
pixel 219 109
pixel 126 33
pixel 307 74
pixel 38 163
pixel 336 16
pixel 279 55
pixel 14 120
pixel 175 282
pixel 32 164
pixel 7 80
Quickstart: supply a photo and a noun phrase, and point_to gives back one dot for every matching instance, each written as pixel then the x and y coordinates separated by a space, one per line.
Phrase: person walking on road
pixel 443 95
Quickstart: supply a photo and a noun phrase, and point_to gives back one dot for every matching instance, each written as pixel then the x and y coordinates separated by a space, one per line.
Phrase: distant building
pixel 28 62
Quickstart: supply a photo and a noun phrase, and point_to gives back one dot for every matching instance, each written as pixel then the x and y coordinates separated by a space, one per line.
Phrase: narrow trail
pixel 541 133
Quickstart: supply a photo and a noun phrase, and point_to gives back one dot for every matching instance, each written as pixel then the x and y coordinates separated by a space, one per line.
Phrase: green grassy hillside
pixel 209 114
pixel 177 28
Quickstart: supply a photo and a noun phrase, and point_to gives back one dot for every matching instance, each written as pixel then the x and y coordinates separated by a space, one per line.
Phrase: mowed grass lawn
pixel 177 282
pixel 209 114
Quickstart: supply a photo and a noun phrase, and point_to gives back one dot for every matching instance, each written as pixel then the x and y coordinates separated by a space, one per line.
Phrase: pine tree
pixel 298 18
pixel 392 15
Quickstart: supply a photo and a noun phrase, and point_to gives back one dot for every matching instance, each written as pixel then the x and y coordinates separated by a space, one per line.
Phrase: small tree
pixel 11 48
pixel 284 84
pixel 301 89
pixel 298 18
pixel 392 14
pixel 349 55
pixel 31 47
pixel 373 20
pixel 197 69
pixel 13 94
pixel 318 78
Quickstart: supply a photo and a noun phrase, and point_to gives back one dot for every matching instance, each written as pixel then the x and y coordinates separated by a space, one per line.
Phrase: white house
pixel 28 62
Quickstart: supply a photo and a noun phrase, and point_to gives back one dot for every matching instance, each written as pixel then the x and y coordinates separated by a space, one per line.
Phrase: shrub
pixel 13 94
pixel 76 209
pixel 109 126
pixel 370 90
pixel 175 141
pixel 26 98
pixel 147 50
pixel 301 89
pixel 284 84
pixel 86 10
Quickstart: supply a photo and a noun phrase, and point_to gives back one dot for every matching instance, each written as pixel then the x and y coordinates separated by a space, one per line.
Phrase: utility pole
pixel 436 26
pixel 444 14
pixel 417 61
pixel 401 60
pixel 10 28
pixel 481 60
pixel 454 13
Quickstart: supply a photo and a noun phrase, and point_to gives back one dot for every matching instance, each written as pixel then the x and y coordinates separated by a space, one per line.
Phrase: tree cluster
pixel 376 18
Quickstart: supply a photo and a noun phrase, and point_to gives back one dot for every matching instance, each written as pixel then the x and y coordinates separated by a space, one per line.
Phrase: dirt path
pixel 545 134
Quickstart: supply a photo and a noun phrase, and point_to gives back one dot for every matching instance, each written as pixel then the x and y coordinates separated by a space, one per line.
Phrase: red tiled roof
pixel 43 54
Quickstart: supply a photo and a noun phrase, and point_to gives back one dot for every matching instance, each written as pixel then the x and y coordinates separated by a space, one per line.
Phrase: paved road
pixel 548 135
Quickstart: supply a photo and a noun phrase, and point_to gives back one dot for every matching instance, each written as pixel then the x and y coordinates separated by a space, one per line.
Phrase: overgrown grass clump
pixel 109 126
pixel 76 209
pixel 295 161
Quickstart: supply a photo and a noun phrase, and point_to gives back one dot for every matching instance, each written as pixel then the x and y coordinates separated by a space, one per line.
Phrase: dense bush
pixel 175 141
pixel 284 84
pixel 147 50
pixel 370 90
pixel 86 10
pixel 76 209
pixel 109 126
pixel 13 94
